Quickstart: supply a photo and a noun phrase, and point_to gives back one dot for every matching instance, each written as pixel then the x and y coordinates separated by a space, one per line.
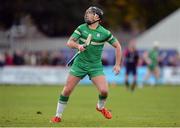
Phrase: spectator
pixel 45 60
pixel 174 60
pixel 58 59
pixel 26 57
pixel 33 59
pixel 18 58
pixel 8 58
pixel 2 60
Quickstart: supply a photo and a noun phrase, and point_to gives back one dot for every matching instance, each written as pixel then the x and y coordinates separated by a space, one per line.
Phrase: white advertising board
pixel 33 75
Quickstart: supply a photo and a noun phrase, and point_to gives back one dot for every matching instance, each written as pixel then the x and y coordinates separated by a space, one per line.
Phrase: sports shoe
pixel 55 119
pixel 107 114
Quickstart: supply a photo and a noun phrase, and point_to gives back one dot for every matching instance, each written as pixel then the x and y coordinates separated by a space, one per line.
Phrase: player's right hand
pixel 116 69
pixel 81 48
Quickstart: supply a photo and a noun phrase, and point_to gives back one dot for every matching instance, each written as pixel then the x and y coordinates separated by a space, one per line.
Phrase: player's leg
pixel 126 77
pixel 71 82
pixel 156 73
pixel 134 72
pixel 77 72
pixel 147 75
pixel 102 86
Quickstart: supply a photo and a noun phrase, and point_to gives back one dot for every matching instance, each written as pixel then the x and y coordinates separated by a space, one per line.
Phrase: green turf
pixel 150 106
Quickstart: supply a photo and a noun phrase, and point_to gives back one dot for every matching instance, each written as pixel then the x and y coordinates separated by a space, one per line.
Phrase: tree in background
pixel 59 18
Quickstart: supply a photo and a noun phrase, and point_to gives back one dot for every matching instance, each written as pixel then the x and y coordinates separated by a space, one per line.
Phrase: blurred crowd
pixel 42 58
pixel 60 58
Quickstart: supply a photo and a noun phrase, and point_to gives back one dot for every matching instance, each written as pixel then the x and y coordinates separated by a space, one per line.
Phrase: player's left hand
pixel 81 48
pixel 116 69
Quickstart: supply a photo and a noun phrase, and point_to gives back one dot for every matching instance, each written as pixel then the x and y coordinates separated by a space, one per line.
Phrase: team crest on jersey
pixel 98 35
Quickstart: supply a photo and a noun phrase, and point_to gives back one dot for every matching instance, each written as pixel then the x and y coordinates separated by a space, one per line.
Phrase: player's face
pixel 90 17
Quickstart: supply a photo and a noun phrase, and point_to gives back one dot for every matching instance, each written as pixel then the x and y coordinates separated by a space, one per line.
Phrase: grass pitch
pixel 34 106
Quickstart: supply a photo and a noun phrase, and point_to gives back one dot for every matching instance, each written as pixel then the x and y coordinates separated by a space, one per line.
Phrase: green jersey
pixel 93 52
pixel 153 56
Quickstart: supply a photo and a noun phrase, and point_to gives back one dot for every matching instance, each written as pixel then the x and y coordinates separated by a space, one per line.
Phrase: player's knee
pixel 104 92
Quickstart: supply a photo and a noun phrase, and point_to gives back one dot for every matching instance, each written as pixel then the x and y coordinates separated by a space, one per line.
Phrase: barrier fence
pixel 58 75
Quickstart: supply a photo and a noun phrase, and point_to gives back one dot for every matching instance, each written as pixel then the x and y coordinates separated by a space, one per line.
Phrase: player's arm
pixel 72 43
pixel 117 47
pixel 115 43
pixel 118 54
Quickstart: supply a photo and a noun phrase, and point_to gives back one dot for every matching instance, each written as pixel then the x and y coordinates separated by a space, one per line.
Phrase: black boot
pixel 127 84
pixel 133 86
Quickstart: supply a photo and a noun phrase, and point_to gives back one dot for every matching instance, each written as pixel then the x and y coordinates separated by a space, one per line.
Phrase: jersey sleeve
pixel 77 33
pixel 111 39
